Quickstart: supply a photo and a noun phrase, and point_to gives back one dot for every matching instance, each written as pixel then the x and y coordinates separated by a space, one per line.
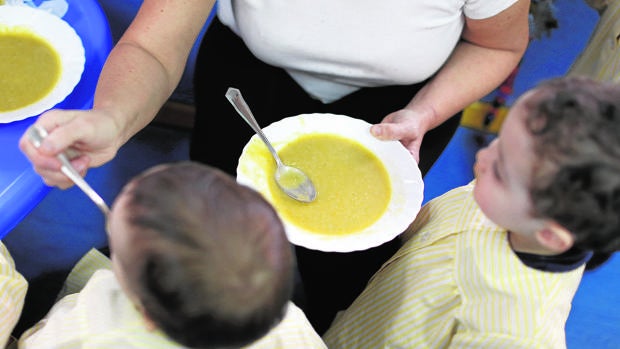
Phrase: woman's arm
pixel 488 52
pixel 138 77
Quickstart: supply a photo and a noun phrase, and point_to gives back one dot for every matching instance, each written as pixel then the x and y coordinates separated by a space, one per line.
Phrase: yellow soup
pixel 353 186
pixel 29 68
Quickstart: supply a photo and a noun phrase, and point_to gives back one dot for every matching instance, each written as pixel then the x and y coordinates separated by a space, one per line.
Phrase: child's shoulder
pixel 449 213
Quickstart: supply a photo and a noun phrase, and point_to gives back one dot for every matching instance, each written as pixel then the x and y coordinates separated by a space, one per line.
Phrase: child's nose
pixel 481 160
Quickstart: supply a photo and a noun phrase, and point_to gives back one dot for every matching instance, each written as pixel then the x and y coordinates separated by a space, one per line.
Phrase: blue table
pixel 21 189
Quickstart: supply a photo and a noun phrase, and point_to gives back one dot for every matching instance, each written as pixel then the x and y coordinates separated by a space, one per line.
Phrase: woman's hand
pixel 89 138
pixel 407 126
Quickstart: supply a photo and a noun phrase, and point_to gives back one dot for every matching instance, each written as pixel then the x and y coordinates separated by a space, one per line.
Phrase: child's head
pixel 205 259
pixel 552 177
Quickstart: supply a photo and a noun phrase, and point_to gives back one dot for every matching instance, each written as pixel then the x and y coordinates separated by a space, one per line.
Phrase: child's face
pixel 124 240
pixel 121 237
pixel 118 235
pixel 503 171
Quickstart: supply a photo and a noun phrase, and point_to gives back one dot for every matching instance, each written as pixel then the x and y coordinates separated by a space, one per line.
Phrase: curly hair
pixel 211 265
pixel 575 123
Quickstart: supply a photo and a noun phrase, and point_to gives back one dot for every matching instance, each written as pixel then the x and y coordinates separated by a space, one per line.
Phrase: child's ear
pixel 555 238
pixel 148 322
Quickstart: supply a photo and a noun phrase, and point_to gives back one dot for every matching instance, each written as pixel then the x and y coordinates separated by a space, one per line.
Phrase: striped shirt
pixel 601 57
pixel 95 313
pixel 13 288
pixel 456 283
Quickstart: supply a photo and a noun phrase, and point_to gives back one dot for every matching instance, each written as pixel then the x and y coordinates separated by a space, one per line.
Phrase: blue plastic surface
pixel 21 189
pixel 454 167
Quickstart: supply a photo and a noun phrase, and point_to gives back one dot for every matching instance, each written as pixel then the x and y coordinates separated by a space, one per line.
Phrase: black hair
pixel 575 123
pixel 211 265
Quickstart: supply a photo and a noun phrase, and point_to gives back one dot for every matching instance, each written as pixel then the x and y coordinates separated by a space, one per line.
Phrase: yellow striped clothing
pixel 601 57
pixel 13 288
pixel 101 316
pixel 456 283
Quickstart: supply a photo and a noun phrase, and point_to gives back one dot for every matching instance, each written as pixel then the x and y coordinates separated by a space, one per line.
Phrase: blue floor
pixel 65 224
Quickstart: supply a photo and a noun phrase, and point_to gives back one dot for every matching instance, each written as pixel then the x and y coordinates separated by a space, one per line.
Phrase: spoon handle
pixel 236 99
pixel 36 136
pixel 74 175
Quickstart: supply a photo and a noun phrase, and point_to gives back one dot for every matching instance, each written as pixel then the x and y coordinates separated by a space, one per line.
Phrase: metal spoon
pixel 294 182
pixel 36 136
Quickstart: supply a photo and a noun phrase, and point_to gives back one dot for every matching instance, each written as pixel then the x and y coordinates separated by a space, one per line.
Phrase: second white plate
pixel 65 41
pixel 406 179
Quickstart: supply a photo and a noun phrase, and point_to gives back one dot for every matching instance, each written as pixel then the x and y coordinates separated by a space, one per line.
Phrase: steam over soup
pixel 29 68
pixel 353 186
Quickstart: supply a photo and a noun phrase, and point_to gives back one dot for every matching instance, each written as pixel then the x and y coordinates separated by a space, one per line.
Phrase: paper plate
pixel 62 38
pixel 404 175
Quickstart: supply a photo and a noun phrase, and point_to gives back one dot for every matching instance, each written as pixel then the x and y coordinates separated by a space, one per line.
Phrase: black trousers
pixel 331 281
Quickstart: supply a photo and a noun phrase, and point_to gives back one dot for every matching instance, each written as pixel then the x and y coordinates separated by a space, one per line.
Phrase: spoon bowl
pixel 293 181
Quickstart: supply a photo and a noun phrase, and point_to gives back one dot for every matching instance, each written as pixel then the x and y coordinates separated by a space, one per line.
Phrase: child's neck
pixel 528 244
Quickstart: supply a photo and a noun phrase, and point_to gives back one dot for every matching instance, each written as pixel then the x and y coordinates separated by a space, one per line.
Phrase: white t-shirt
pixel 334 47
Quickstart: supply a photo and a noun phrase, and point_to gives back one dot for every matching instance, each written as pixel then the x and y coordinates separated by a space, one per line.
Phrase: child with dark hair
pixel 197 261
pixel 496 263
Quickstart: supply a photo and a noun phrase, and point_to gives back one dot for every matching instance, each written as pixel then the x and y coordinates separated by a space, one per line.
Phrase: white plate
pixel 63 38
pixel 406 180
